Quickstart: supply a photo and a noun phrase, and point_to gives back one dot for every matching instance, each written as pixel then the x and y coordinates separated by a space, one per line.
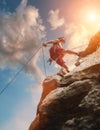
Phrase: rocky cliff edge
pixel 71 102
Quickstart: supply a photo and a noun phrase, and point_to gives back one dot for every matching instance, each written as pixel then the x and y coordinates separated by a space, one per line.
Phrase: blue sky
pixel 24 25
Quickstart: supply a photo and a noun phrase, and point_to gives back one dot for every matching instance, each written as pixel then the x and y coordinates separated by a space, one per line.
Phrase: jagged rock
pixel 74 104
pixel 49 84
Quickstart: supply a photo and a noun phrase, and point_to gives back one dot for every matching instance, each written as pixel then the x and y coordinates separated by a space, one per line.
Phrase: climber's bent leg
pixel 61 62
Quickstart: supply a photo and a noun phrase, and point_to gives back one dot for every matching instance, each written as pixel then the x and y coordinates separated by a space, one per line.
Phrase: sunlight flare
pixel 92 16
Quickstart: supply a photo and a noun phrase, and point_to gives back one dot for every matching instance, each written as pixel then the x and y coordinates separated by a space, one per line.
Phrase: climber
pixel 57 52
pixel 93 45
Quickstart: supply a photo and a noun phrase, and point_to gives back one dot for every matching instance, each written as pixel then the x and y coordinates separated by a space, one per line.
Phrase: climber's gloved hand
pixel 44 44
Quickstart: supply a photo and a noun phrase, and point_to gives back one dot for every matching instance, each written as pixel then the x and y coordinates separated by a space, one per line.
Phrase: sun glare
pixel 92 16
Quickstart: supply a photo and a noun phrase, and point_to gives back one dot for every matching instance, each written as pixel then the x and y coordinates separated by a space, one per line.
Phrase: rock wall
pixel 71 103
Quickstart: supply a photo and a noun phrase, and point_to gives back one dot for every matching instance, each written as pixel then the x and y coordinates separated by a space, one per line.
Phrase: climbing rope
pixel 9 83
pixel 44 62
pixel 79 46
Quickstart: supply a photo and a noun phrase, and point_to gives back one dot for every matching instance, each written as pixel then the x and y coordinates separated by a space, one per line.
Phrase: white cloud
pixel 55 20
pixel 21 33
pixel 80 34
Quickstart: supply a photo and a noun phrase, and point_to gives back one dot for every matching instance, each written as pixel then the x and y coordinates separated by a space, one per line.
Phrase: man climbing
pixel 57 52
pixel 93 45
